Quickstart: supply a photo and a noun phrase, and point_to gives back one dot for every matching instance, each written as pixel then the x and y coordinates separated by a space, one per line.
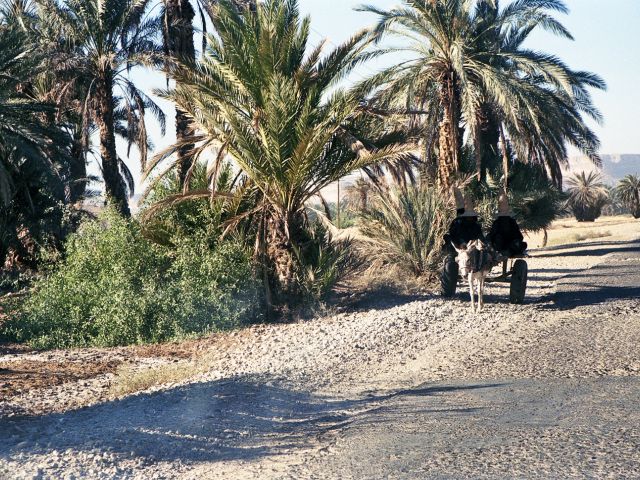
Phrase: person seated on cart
pixel 465 227
pixel 505 235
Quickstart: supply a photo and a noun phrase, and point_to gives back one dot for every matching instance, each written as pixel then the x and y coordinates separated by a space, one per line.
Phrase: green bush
pixel 209 290
pixel 408 225
pixel 587 195
pixel 115 288
pixel 323 262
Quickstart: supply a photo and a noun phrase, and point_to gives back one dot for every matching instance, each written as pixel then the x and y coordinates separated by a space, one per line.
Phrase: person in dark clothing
pixel 505 235
pixel 465 227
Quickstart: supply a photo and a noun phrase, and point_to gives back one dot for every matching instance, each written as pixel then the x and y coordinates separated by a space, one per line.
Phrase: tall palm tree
pixel 34 155
pixel 628 191
pixel 260 98
pixel 22 130
pixel 467 66
pixel 51 86
pixel 100 42
pixel 587 195
pixel 542 137
pixel 178 40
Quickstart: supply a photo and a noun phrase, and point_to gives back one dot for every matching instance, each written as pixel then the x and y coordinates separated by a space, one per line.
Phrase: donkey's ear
pixel 456 248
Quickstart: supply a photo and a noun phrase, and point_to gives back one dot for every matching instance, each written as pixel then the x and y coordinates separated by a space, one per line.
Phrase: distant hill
pixel 614 167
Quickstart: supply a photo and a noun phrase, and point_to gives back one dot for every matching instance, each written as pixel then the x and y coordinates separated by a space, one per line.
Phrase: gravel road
pixel 418 388
pixel 556 426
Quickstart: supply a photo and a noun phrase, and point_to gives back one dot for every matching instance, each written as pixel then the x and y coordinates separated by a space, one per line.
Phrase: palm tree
pixel 260 98
pixel 628 191
pixel 178 44
pixel 468 69
pixel 49 86
pixel 100 42
pixel 178 31
pixel 22 131
pixel 407 224
pixel 358 193
pixel 587 195
pixel 535 138
pixel 34 155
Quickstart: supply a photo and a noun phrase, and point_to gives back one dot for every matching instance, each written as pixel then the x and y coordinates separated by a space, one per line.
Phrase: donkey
pixel 475 260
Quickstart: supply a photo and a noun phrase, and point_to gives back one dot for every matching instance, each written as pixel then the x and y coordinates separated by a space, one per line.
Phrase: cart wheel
pixel 449 277
pixel 518 281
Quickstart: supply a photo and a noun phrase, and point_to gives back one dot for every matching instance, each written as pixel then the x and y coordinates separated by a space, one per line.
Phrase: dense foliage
pixel 258 96
pixel 115 288
pixel 234 211
pixel 35 171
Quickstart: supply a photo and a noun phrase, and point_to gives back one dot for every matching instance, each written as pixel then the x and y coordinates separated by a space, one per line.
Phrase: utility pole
pixel 338 207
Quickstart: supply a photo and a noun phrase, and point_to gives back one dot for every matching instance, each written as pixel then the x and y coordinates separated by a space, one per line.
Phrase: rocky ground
pixel 296 400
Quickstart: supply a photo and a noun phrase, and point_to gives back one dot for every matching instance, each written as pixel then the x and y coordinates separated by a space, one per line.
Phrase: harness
pixel 477 260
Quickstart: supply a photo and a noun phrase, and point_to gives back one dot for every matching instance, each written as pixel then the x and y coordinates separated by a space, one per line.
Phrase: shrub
pixel 116 288
pixel 323 262
pixel 408 225
pixel 628 192
pixel 209 290
pixel 587 196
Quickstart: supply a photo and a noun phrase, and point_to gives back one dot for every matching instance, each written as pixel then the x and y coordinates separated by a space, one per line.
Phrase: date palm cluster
pixel 466 97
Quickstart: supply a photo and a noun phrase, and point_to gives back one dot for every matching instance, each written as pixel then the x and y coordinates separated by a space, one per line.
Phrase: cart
pixel 514 272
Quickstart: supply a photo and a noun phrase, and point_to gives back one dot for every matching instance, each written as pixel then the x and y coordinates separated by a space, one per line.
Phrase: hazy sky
pixel 606 42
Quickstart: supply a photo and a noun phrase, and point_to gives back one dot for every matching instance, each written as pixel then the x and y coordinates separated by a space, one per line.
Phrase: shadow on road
pixel 593 295
pixel 213 421
pixel 587 249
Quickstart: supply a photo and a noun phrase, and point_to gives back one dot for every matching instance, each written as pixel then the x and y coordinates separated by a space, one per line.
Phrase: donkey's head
pixel 467 256
pixel 464 257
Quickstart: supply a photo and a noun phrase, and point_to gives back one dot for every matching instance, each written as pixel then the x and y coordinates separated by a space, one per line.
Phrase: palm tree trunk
pixel 283 265
pixel 78 172
pixel 114 185
pixel 448 142
pixel 178 29
pixel 488 139
pixel 477 148
pixel 505 160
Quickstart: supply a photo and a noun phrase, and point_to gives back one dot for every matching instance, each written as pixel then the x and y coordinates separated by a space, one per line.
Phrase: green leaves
pixel 628 191
pixel 587 195
pixel 116 288
pixel 407 225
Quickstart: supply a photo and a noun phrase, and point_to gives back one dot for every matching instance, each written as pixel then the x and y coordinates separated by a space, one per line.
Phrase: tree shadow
pixel 592 295
pixel 585 250
pixel 602 283
pixel 380 298
pixel 239 419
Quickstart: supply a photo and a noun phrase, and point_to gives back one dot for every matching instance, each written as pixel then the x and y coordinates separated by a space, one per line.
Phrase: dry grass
pixel 130 379
pixel 580 237
pixel 389 278
pixel 562 231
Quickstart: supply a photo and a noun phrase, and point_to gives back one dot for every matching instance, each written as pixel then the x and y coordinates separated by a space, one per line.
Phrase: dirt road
pixel 526 428
pixel 419 388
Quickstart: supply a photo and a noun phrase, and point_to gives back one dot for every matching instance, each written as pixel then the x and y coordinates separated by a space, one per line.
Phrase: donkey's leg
pixel 481 291
pixel 473 308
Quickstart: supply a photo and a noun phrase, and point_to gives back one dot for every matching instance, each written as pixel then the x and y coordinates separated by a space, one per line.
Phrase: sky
pixel 607 42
